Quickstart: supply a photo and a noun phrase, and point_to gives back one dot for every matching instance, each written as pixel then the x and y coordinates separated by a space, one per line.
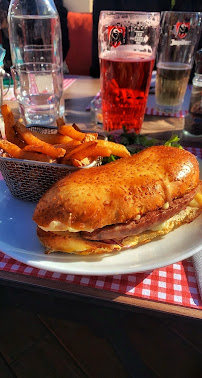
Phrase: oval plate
pixel 18 239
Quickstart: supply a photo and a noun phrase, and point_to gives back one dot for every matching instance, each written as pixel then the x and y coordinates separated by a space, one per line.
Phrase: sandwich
pixel 121 204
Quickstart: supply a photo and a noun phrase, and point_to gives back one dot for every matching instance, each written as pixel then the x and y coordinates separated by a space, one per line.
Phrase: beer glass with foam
pixel 180 33
pixel 127 43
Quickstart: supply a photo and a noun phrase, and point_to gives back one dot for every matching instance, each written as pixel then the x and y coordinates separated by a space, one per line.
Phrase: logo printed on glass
pixel 116 35
pixel 140 36
pixel 181 30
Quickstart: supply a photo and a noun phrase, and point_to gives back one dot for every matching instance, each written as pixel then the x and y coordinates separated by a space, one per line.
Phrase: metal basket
pixel 29 180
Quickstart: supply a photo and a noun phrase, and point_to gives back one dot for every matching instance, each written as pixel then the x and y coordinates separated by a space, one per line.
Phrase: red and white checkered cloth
pixel 174 284
pixel 67 82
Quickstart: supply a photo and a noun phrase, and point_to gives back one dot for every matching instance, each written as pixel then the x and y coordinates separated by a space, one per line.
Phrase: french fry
pixel 17 153
pixel 71 132
pixel 116 149
pixel 76 127
pixel 9 123
pixel 89 137
pixel 44 149
pixel 92 151
pixel 74 133
pixel 11 148
pixel 77 163
pixel 52 138
pixel 60 121
pixel 74 162
pixel 82 147
pixel 85 152
pixel 49 138
pixel 81 163
pixel 87 160
pixel 32 140
pixel 36 157
pixel 35 148
pixel 100 151
pixel 68 146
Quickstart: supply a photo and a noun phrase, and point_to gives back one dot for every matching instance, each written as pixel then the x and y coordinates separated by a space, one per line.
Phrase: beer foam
pixel 173 66
pixel 129 52
pixel 132 56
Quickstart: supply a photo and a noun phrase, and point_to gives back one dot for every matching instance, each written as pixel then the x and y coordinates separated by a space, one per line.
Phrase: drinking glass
pixel 180 33
pixel 127 43
pixel 38 89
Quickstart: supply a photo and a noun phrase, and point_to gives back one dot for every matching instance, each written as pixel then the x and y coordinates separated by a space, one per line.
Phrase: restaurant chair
pixel 80 36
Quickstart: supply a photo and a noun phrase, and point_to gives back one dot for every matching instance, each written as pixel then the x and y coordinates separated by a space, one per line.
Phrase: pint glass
pixel 127 43
pixel 180 33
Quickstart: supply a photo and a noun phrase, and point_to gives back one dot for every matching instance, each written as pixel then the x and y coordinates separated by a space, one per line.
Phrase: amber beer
pixel 125 84
pixel 171 84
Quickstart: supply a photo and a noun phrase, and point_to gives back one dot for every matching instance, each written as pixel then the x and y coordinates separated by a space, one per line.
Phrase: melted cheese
pixel 197 201
pixel 165 206
pixel 168 190
pixel 58 226
pixel 159 227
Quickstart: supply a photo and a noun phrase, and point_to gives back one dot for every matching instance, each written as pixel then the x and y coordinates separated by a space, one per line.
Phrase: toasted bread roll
pixel 118 192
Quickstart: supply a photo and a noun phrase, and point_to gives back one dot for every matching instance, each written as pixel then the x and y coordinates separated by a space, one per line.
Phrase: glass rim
pixel 23 67
pixel 129 12
pixel 182 12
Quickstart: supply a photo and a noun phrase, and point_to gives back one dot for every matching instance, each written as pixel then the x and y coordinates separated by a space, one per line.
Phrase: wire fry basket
pixel 29 180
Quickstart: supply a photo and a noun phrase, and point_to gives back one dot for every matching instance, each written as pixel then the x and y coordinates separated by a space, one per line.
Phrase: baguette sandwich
pixel 121 204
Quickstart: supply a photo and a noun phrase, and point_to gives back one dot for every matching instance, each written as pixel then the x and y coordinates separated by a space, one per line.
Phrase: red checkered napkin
pixel 195 151
pixel 174 284
pixel 67 82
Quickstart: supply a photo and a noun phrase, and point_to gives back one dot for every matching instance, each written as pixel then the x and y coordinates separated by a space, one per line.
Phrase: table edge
pixel 96 294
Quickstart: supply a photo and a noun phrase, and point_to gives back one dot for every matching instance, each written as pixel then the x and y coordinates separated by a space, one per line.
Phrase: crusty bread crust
pixel 71 242
pixel 119 191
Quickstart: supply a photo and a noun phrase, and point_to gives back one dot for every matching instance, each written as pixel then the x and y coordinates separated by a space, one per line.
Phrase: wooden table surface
pixel 79 94
pixel 76 98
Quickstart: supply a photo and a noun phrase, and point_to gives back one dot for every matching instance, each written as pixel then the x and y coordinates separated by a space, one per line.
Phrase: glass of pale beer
pixel 180 33
pixel 127 43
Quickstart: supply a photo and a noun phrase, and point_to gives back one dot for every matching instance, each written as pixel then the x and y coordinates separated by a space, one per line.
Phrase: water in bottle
pixel 36 51
pixel 34 32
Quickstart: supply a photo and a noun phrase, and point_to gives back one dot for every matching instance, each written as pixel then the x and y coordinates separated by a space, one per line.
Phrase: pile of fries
pixel 68 145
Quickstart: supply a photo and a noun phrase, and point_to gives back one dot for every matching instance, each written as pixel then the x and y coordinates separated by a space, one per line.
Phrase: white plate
pixel 18 239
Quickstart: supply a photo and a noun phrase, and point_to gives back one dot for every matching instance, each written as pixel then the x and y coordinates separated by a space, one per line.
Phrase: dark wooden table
pixel 46 335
